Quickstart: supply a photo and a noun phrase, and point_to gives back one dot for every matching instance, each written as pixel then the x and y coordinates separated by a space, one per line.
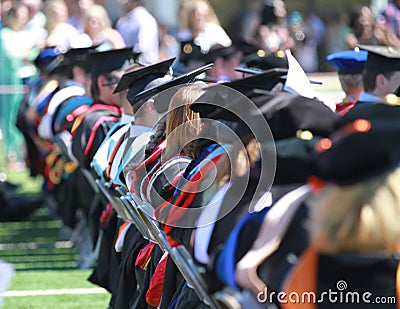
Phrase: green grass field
pixel 44 262
pixel 54 280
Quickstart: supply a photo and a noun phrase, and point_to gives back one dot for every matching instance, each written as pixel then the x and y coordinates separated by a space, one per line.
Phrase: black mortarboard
pixel 366 145
pixel 289 115
pixel 201 106
pixel 190 52
pixel 136 81
pixel 258 83
pixel 246 45
pixel 104 62
pixel 180 80
pixel 74 56
pixel 224 104
pixel 219 51
pixel 382 58
pixel 264 60
pixel 348 61
pixel 296 123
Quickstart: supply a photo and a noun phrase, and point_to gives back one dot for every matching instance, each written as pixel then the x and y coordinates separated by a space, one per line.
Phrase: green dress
pixel 14 48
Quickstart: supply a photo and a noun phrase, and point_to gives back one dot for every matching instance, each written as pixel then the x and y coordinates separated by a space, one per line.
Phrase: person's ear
pixel 150 105
pixel 380 81
pixel 101 80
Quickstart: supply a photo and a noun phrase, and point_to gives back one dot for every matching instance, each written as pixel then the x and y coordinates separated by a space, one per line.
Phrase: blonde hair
pixel 56 11
pixel 179 113
pixel 188 7
pixel 359 218
pixel 97 11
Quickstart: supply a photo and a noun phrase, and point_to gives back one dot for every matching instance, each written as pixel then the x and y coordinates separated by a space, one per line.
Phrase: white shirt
pixel 140 30
pixel 213 34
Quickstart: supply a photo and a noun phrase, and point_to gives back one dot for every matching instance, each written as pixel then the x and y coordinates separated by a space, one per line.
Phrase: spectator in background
pixel 139 29
pixel 169 46
pixel 273 34
pixel 388 25
pixel 76 11
pixel 202 26
pixel 60 33
pixel 37 21
pixel 361 28
pixel 97 26
pixel 308 32
pixel 17 48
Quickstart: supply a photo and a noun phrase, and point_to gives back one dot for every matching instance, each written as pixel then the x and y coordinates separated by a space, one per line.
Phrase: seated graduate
pixel 162 94
pixel 33 161
pixel 134 80
pixel 65 87
pixel 354 235
pixel 108 164
pixel 155 184
pixel 113 253
pixel 349 64
pixel 182 127
pixel 145 105
pixel 92 127
pixel 131 84
pixel 381 74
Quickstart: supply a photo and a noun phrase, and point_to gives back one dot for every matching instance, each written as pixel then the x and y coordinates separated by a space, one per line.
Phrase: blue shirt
pixel 369 98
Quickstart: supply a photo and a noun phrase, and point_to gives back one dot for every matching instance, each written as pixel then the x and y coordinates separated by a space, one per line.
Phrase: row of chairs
pixel 131 208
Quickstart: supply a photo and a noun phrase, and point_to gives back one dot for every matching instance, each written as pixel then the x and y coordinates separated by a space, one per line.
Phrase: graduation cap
pixel 247 46
pixel 291 115
pixel 218 99
pixel 225 105
pixel 297 124
pixel 99 63
pixel 190 52
pixel 136 81
pixel 68 58
pixel 180 80
pixel 382 58
pixel 265 60
pixel 258 83
pixel 348 61
pixel 347 156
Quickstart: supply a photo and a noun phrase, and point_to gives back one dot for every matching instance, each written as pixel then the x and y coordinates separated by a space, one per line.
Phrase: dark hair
pixel 369 78
pixel 94 88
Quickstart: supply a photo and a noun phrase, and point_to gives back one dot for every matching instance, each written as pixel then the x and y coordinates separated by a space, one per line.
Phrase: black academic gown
pixel 89 135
